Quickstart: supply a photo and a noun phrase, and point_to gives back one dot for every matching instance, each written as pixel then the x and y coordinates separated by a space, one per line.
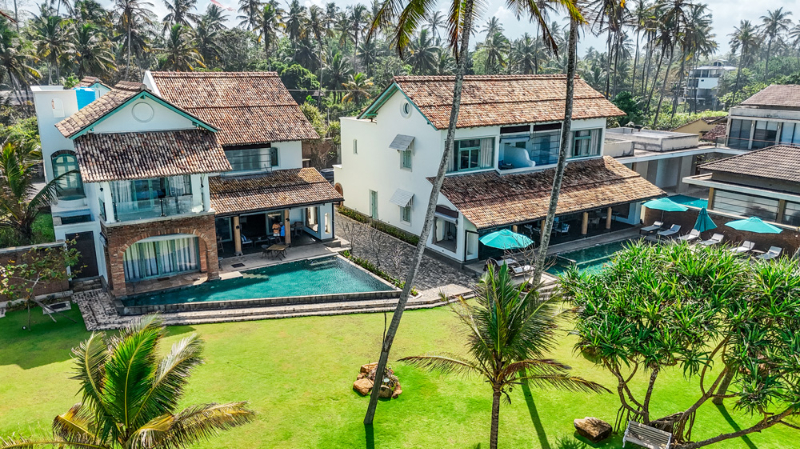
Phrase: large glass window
pixel 745 205
pixel 790 133
pixel 155 197
pixel 765 134
pixel 739 136
pixel 473 154
pixel 405 214
pixel 791 214
pixel 70 186
pixel 253 159
pixel 223 228
pixel 585 142
pixel 160 257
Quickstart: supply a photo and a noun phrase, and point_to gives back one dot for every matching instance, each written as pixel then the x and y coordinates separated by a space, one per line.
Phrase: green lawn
pixel 298 373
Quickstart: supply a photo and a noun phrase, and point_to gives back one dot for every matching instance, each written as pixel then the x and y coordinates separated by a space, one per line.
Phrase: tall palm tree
pixel 608 18
pixel 269 23
pixel 794 35
pixel 92 51
pixel 673 14
pixel 744 39
pixel 775 23
pixel 638 21
pixel 92 11
pixel 495 49
pixel 525 54
pixel 492 27
pixel 406 17
pixel 250 11
pixel 697 38
pixel 337 73
pixel 180 13
pixel 214 18
pixel 180 53
pixel 15 60
pixel 423 54
pixel 436 21
pixel 51 39
pixel 132 15
pixel 130 395
pixel 207 34
pixel 357 87
pixel 357 18
pixel 295 21
pixel 317 28
pixel 368 53
pixel 509 333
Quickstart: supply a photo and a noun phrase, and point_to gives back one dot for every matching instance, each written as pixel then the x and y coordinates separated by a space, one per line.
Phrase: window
pixel 790 133
pixel 405 109
pixel 543 147
pixel 405 214
pixel 327 224
pixel 251 159
pixel 585 142
pixel 147 259
pixel 765 134
pixel 445 232
pixel 791 214
pixel 745 205
pixel 405 159
pixel 739 136
pixel 70 186
pixel 223 228
pixel 472 154
pixel 311 218
pixel 273 157
pixel 355 146
pixel 373 204
pixel 155 197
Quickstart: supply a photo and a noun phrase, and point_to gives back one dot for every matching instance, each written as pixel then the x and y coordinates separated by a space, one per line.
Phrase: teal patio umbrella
pixel 754 224
pixel 704 222
pixel 666 205
pixel 506 239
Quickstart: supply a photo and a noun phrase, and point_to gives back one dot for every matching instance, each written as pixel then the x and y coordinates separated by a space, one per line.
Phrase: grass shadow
pixel 745 439
pixel 370 439
pixel 537 422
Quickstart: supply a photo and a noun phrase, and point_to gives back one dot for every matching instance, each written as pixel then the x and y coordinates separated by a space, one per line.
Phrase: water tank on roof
pixel 85 95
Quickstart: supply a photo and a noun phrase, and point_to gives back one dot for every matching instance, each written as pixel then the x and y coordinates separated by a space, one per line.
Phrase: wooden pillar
pixel 608 218
pixel 287 228
pixel 781 211
pixel 237 237
pixel 710 198
pixel 543 220
pixel 585 223
pixel 514 228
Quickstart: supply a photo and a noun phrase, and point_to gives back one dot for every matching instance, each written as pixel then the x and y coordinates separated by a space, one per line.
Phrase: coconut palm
pixel 744 39
pixel 357 19
pixel 294 21
pixel 268 23
pixel 492 27
pixel 92 51
pixel 92 11
pixel 250 11
pixel 15 61
pixel 207 34
pixel 180 53
pixel 509 332
pixel 51 38
pixel 525 54
pixel 132 17
pixel 336 72
pixel 406 17
pixel 774 24
pixel 794 35
pixel 495 48
pixel 422 54
pixel 317 29
pixel 436 21
pixel 445 63
pixel 368 53
pixel 357 87
pixel 130 395
pixel 180 13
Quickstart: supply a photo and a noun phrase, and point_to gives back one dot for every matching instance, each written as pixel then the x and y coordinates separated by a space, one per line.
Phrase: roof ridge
pixel 212 74
pixel 749 153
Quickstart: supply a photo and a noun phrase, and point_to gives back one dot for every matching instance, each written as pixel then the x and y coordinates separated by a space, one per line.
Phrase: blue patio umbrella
pixel 506 239
pixel 754 224
pixel 665 204
pixel 704 222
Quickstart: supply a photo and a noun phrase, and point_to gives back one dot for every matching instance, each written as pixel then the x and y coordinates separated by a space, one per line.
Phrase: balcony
pixel 153 208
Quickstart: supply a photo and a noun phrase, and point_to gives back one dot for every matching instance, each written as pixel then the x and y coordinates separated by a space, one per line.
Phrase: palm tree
pixel 50 37
pixel 775 23
pixel 368 53
pixel 492 27
pixel 436 21
pixel 673 16
pixel 525 54
pixel 357 87
pixel 495 48
pixel 357 20
pixel 794 35
pixel 639 19
pixel 131 16
pixel 744 39
pixel 16 63
pixel 295 21
pixel 92 51
pixel 405 17
pixel 180 52
pixel 337 72
pixel 91 11
pixel 207 34
pixel 214 18
pixel 130 395
pixel 180 13
pixel 509 332
pixel 608 18
pixel 250 11
pixel 269 22
pixel 318 29
pixel 422 54
pixel 696 38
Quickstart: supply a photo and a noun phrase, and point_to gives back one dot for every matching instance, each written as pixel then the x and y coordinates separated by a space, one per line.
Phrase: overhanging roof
pixel 401 142
pixel 401 198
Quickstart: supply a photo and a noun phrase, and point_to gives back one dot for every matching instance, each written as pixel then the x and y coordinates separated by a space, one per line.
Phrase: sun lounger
pixel 520 270
pixel 745 247
pixel 652 228
pixel 772 253
pixel 694 234
pixel 716 238
pixel 672 231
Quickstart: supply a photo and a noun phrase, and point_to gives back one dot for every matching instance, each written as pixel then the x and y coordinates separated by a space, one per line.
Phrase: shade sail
pixel 704 222
pixel 506 239
pixel 754 224
pixel 665 204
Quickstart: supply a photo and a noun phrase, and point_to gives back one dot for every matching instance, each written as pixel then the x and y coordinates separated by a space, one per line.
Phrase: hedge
pixel 383 227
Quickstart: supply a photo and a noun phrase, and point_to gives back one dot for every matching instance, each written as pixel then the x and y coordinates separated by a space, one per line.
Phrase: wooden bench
pixel 646 436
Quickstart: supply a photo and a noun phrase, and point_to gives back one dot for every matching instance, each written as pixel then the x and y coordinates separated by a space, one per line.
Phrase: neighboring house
pixel 770 117
pixel 700 126
pixel 94 83
pixel 702 85
pixel 141 187
pixel 500 175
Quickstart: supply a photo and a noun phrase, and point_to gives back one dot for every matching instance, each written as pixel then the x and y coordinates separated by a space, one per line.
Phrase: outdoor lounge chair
pixel 672 231
pixel 652 228
pixel 716 238
pixel 519 270
pixel 745 247
pixel 694 234
pixel 562 229
pixel 772 253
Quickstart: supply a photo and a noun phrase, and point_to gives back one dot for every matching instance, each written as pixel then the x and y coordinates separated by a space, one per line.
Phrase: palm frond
pixel 447 364
pixel 564 382
pixel 30 443
pixel 90 358
pixel 204 421
pixel 75 426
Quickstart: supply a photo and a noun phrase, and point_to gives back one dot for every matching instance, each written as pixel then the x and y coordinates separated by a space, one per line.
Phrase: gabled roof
pixel 125 91
pixel 89 81
pixel 248 107
pixel 489 199
pixel 151 154
pixel 276 190
pixel 497 99
pixel 779 162
pixel 776 95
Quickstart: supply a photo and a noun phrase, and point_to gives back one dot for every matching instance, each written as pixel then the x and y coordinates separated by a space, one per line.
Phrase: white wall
pixel 44 97
pixel 132 118
pixel 290 154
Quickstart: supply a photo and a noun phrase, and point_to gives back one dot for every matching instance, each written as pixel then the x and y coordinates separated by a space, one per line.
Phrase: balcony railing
pixel 153 208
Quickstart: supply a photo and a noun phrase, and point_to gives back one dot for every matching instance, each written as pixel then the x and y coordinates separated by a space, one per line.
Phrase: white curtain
pixel 160 257
pixel 487 155
pixel 121 191
pixel 177 186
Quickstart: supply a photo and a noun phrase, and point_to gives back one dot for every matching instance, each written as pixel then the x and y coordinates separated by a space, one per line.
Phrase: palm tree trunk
pixel 678 89
pixel 655 80
pixel 635 61
pixel 608 62
pixel 616 63
pixel 16 16
pixel 648 65
pixel 432 201
pixel 562 154
pixel 738 77
pixel 128 64
pixel 766 63
pixel 663 86
pixel 495 419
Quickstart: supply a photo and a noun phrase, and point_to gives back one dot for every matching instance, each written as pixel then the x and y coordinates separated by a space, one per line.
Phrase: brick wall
pixel 120 237
pixel 19 255
pixel 788 240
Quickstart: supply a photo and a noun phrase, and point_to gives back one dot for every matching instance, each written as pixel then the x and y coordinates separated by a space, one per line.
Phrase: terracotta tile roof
pixel 489 200
pixel 777 162
pixel 113 157
pixel 776 95
pixel 503 99
pixel 89 81
pixel 715 133
pixel 247 107
pixel 95 110
pixel 276 190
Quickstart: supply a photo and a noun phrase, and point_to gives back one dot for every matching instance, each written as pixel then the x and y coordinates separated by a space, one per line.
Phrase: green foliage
pixel 372 268
pixel 315 117
pixel 409 238
pixel 666 122
pixel 630 106
pixel 71 81
pixel 300 81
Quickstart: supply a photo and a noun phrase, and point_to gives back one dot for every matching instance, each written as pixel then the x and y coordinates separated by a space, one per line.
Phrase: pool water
pixel 689 201
pixel 323 276
pixel 590 259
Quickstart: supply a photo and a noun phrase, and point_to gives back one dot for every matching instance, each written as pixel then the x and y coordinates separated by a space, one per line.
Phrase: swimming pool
pixel 590 259
pixel 306 281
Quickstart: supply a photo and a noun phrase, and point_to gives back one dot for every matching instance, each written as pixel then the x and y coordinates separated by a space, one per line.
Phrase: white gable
pixel 143 115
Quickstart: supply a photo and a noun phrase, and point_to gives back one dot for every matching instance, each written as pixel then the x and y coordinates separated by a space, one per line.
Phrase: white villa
pixel 770 117
pixel 500 174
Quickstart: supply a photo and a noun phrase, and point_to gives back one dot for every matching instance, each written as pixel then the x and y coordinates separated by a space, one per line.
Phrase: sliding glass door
pixel 160 257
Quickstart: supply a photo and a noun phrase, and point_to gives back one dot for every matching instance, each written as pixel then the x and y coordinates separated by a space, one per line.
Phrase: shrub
pixel 407 237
